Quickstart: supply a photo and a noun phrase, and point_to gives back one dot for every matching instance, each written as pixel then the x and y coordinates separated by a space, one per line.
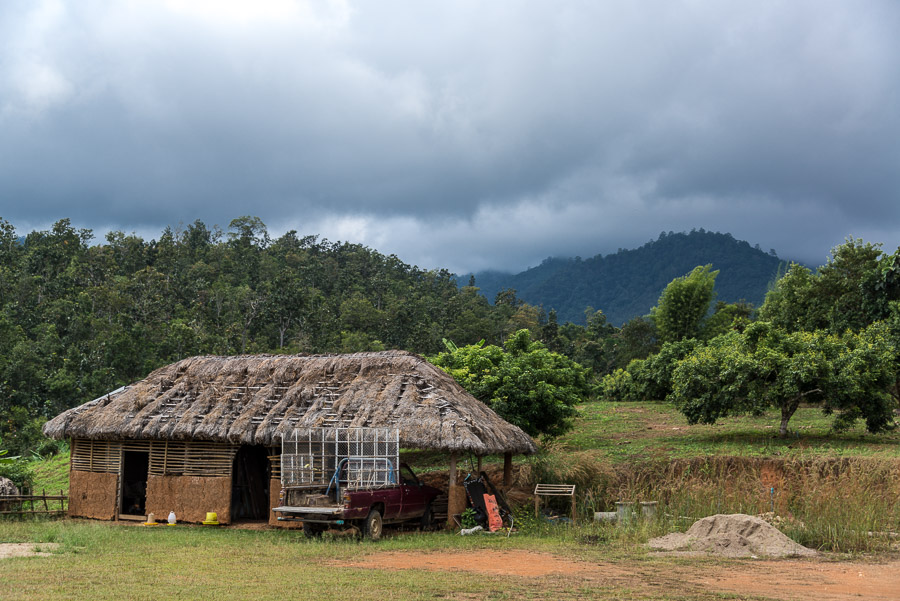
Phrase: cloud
pixel 464 134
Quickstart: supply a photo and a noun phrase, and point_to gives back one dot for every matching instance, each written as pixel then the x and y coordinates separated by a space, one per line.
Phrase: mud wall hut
pixel 204 434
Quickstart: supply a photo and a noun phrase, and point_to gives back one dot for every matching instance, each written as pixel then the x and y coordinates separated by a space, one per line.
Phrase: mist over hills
pixel 628 283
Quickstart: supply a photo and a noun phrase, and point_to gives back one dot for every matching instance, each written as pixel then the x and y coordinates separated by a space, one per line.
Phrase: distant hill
pixel 628 283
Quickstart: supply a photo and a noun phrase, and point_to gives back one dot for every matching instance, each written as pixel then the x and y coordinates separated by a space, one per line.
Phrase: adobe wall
pixel 275 501
pixel 93 495
pixel 190 497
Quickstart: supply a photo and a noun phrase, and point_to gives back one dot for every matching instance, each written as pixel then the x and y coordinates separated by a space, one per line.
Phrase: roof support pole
pixel 456 495
pixel 479 464
pixel 507 469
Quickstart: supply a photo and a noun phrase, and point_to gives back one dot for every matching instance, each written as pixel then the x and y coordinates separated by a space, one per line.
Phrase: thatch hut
pixel 204 434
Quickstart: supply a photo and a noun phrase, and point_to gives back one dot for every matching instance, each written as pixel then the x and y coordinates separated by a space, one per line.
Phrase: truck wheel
pixel 372 527
pixel 313 530
pixel 427 522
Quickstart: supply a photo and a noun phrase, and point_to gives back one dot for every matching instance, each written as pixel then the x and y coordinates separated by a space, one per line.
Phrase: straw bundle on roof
pixel 255 399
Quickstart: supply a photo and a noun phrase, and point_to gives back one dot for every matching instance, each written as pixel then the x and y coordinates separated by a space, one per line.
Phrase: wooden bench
pixel 553 490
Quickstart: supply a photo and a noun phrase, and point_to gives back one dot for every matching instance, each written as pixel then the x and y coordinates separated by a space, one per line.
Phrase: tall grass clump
pixel 844 505
pixel 840 505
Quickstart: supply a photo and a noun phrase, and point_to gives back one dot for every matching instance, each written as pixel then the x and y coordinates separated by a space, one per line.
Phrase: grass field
pixel 834 491
pixel 105 561
pixel 51 474
pixel 626 432
pixel 99 561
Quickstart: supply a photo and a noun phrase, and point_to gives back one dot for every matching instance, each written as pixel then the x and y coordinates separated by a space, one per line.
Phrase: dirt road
pixel 785 579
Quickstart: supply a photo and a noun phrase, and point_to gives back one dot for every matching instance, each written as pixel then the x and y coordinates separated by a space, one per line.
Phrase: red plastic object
pixel 494 521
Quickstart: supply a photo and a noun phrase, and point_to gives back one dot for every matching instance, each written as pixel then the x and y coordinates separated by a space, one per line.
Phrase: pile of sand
pixel 735 535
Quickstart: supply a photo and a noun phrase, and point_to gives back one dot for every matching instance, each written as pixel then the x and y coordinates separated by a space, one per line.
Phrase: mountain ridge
pixel 627 283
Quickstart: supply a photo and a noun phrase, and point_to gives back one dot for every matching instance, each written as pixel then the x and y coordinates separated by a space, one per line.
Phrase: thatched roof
pixel 255 399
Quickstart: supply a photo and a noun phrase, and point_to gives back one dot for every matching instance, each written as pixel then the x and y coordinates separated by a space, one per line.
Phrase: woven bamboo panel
pixel 143 446
pixel 96 456
pixel 194 458
pixel 275 462
pixel 170 458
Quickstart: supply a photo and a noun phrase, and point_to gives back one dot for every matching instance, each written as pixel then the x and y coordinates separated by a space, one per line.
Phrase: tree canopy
pixel 524 382
pixel 767 367
pixel 852 290
pixel 684 304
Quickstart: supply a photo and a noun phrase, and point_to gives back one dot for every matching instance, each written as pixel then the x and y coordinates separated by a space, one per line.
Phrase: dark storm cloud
pixel 465 135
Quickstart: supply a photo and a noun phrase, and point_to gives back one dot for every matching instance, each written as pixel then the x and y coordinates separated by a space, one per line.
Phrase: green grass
pixel 51 474
pixel 628 432
pixel 98 561
pixel 625 433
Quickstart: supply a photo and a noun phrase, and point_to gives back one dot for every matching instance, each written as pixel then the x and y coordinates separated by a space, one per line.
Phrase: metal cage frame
pixel 348 458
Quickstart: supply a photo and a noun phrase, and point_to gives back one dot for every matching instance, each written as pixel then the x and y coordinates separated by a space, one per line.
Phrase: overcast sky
pixel 465 135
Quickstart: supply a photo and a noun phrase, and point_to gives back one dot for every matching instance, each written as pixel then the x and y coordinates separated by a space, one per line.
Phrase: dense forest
pixel 79 317
pixel 626 284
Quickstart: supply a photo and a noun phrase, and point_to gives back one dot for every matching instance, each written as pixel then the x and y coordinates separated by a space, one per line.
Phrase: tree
pixel 767 367
pixel 4 460
pixel 725 317
pixel 550 331
pixel 684 304
pixel 851 291
pixel 790 304
pixel 647 379
pixel 523 382
pixel 636 339
pixel 593 345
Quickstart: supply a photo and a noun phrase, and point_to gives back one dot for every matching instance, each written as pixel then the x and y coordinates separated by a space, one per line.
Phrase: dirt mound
pixel 735 535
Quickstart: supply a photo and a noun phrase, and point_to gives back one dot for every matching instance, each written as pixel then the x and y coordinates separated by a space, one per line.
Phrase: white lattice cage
pixel 349 457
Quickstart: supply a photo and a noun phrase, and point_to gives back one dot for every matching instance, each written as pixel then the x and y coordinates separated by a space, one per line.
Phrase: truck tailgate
pixel 334 510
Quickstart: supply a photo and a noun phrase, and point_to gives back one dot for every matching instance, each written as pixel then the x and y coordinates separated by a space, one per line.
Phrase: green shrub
pixel 18 471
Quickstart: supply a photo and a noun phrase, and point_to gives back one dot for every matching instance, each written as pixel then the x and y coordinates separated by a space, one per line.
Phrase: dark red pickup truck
pixel 406 500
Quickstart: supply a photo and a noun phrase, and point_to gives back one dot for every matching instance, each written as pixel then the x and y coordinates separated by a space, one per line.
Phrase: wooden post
pixel 479 464
pixel 507 469
pixel 573 507
pixel 537 505
pixel 456 496
pixel 453 468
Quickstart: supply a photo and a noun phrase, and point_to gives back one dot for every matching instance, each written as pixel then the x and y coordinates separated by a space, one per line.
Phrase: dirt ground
pixel 26 549
pixel 785 579
pixel 799 579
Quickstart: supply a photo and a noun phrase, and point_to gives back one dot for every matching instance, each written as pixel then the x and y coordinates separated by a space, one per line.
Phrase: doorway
pixel 250 483
pixel 135 466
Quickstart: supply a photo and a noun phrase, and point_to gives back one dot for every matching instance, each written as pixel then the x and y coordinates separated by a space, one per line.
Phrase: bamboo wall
pixel 167 457
pixel 188 477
